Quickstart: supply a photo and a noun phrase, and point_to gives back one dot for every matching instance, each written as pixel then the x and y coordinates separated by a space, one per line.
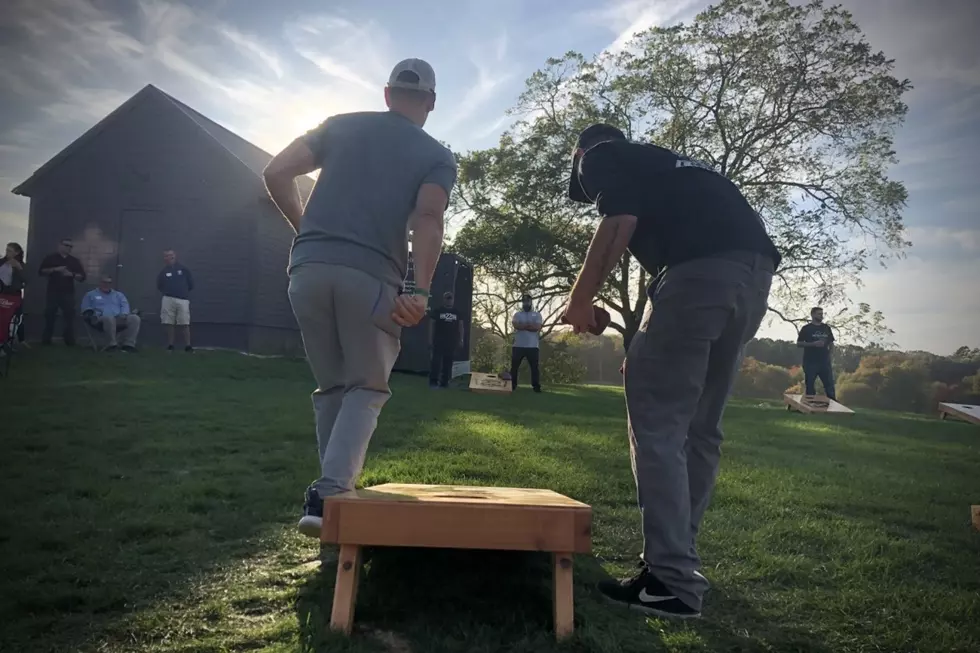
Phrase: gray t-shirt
pixel 527 339
pixel 372 165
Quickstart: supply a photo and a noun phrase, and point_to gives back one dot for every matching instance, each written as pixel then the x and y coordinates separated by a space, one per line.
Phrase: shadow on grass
pixel 453 601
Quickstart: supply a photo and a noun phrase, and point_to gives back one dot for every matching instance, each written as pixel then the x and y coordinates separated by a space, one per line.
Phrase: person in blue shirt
pixel 108 310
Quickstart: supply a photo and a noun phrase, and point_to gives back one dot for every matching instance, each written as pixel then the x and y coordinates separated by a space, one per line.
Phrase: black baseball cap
pixel 589 138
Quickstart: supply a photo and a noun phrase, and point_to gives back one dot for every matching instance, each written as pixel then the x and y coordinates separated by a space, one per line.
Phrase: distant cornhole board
pixel 975 513
pixel 815 404
pixel 964 412
pixel 489 384
pixel 456 517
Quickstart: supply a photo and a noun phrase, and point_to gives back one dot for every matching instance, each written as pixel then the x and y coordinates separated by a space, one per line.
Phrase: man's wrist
pixel 420 292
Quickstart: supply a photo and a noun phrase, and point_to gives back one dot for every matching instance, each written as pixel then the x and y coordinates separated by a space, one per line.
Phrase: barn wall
pixel 273 239
pixel 156 158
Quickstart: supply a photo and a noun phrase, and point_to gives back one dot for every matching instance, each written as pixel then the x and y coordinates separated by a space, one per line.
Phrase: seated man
pixel 107 310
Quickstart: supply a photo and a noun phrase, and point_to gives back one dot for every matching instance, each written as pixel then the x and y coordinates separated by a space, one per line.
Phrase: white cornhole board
pixel 490 384
pixel 815 404
pixel 964 412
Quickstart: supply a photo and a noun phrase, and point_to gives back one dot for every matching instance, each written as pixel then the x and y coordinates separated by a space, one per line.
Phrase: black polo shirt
pixel 811 333
pixel 445 331
pixel 684 209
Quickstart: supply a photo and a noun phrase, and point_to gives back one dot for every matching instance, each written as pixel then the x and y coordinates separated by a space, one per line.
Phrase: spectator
pixel 527 323
pixel 12 270
pixel 175 283
pixel 12 279
pixel 447 334
pixel 62 270
pixel 817 341
pixel 107 310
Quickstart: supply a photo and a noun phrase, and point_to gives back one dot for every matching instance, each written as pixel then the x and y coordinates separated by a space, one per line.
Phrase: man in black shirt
pixel 62 270
pixel 817 341
pixel 684 221
pixel 447 334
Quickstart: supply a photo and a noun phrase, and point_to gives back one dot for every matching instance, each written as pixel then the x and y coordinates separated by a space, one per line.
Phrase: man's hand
pixel 580 315
pixel 67 273
pixel 409 310
pixel 820 343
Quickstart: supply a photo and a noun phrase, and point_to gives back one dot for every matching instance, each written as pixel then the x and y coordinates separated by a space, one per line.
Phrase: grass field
pixel 149 503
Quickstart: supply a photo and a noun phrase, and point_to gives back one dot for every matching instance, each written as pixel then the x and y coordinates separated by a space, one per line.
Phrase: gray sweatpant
pixel 351 345
pixel 679 372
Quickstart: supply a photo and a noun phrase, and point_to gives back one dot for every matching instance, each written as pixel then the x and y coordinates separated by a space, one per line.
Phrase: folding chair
pixel 10 321
pixel 93 324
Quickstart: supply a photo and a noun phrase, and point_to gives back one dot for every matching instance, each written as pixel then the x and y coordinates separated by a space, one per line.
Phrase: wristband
pixel 421 292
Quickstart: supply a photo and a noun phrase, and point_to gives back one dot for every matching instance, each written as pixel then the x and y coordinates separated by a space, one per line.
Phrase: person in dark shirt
pixel 447 334
pixel 62 270
pixel 175 283
pixel 683 221
pixel 817 341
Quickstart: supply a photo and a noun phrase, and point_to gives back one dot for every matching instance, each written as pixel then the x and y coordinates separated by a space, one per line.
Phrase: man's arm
pixel 75 266
pixel 123 305
pixel 160 278
pixel 426 222
pixel 536 322
pixel 280 179
pixel 87 302
pixel 47 267
pixel 190 279
pixel 609 243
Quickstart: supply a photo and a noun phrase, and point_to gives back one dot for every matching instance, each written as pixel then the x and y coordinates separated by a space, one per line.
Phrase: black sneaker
pixel 111 348
pixel 170 347
pixel 644 593
pixel 311 523
pixel 188 349
pixel 129 349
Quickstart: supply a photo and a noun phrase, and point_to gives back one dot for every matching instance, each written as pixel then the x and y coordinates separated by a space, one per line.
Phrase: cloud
pixel 252 48
pixel 627 18
pixel 356 53
pixel 944 241
pixel 492 72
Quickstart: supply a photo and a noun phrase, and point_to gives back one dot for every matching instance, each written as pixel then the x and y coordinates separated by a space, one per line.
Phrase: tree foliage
pixel 790 102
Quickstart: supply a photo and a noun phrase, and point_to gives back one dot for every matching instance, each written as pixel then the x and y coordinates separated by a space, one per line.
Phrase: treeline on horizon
pixel 867 377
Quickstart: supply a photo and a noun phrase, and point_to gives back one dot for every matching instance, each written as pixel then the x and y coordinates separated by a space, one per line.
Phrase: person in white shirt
pixel 527 325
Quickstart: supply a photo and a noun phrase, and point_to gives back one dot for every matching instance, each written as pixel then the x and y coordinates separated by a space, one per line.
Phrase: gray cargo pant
pixel 351 345
pixel 679 372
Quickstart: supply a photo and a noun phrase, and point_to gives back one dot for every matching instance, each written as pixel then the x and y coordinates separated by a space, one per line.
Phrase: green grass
pixel 148 504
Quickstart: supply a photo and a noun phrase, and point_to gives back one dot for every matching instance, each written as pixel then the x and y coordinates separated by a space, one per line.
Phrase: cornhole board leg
pixel 563 595
pixel 345 589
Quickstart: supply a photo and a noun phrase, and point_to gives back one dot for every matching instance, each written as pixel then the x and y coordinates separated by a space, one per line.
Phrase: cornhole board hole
pixel 815 404
pixel 456 517
pixel 975 513
pixel 963 412
pixel 490 384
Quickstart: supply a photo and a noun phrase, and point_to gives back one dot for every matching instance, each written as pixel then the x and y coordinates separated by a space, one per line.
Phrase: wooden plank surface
pixel 797 403
pixel 965 412
pixel 531 497
pixel 975 514
pixel 489 384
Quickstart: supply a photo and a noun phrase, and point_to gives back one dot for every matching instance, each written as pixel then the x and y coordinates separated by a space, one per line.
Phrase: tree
pixel 790 102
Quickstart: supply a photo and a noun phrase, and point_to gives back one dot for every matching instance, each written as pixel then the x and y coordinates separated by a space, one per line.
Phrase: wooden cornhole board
pixel 964 412
pixel 815 404
pixel 456 517
pixel 489 384
pixel 975 513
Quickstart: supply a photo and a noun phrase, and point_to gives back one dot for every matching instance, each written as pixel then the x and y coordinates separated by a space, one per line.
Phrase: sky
pixel 271 70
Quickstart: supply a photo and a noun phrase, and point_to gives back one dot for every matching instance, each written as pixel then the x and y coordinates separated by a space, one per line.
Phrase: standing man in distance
pixel 62 270
pixel 679 215
pixel 175 283
pixel 527 325
pixel 447 335
pixel 817 341
pixel 381 176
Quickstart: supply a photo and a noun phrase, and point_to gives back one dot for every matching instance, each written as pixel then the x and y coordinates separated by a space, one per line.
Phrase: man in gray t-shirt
pixel 381 177
pixel 527 325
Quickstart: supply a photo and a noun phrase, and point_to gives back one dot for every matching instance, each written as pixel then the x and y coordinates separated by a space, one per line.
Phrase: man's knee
pixel 132 320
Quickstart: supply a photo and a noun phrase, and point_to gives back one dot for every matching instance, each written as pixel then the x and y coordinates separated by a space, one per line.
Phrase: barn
pixel 155 174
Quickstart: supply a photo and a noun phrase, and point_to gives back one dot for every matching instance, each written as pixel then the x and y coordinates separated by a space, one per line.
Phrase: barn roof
pixel 253 157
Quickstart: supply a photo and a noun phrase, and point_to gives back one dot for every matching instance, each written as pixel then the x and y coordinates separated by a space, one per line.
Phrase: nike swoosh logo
pixel 647 598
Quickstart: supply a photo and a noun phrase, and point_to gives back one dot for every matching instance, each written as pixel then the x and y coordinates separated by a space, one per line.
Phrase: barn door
pixel 142 239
